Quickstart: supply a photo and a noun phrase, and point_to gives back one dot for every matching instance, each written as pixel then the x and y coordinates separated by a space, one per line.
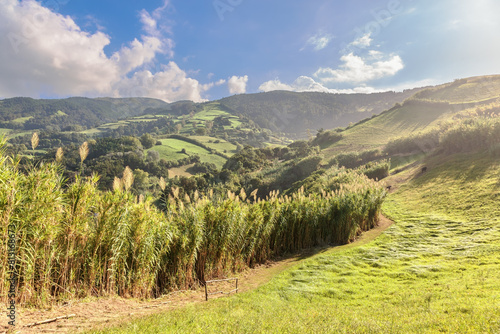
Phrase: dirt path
pixel 111 311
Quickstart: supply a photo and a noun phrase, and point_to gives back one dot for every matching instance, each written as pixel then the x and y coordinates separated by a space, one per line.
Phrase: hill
pixel 423 111
pixel 287 112
pixel 295 113
pixel 71 114
pixel 433 271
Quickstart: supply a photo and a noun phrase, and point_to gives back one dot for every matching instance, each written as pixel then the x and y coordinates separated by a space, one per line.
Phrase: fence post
pixel 236 285
pixel 206 292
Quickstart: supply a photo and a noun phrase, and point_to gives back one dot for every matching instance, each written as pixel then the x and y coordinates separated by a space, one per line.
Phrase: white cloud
pixel 356 69
pixel 308 84
pixel 170 84
pixel 138 54
pixel 237 85
pixel 46 53
pixel 363 41
pixel 319 42
pixel 150 21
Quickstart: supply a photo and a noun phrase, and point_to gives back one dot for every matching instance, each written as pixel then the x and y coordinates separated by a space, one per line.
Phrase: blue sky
pixel 205 50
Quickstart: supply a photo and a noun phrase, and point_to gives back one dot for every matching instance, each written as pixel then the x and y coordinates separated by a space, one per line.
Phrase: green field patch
pixel 60 113
pixel 22 120
pixel 170 150
pixel 220 146
pixel 141 119
pixel 91 131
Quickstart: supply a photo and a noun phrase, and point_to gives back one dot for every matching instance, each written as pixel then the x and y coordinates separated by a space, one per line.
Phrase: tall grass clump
pixel 472 135
pixel 76 241
pixel 469 130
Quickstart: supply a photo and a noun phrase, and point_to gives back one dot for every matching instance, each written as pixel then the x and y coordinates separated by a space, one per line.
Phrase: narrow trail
pixel 111 311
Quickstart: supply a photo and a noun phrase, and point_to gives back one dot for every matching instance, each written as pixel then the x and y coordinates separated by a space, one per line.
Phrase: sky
pixel 206 50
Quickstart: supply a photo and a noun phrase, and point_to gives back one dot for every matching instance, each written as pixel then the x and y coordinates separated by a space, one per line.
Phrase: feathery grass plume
pixel 128 178
pixel 211 193
pixel 187 198
pixel 243 194
pixel 175 192
pixel 84 151
pixel 196 196
pixel 34 140
pixel 162 184
pixel 117 184
pixel 254 194
pixel 59 154
pixel 141 199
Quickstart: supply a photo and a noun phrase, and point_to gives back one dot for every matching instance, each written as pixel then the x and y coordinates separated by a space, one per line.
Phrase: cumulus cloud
pixel 356 69
pixel 237 85
pixel 46 53
pixel 308 84
pixel 170 84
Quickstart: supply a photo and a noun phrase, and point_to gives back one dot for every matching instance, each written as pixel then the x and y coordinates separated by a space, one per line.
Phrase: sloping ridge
pixel 422 111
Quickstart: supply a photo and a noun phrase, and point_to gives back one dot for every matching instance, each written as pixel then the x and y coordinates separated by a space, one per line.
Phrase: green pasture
pixel 434 271
pixel 171 150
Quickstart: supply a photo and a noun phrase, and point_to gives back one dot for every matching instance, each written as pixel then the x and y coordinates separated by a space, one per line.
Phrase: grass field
pixel 22 120
pixel 180 171
pixel 171 150
pixel 221 146
pixel 212 111
pixel 475 90
pixel 434 271
pixel 382 129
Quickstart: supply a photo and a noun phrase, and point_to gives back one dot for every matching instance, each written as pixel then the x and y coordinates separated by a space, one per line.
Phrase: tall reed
pixel 76 241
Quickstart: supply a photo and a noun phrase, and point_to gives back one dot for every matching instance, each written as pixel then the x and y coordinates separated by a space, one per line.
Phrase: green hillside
pixel 423 111
pixel 434 271
pixel 69 114
pixel 295 113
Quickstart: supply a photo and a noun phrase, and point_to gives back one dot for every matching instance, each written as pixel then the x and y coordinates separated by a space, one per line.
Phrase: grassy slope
pixel 170 150
pixel 402 121
pixel 220 146
pixel 435 270
pixel 476 89
pixel 380 130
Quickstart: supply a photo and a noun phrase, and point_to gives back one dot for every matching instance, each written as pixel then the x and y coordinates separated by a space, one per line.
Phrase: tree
pixel 147 141
pixel 201 131
pixel 153 156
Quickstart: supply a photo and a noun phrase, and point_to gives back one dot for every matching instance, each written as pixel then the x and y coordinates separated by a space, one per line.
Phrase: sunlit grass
pixel 435 270
pixel 220 146
pixel 171 149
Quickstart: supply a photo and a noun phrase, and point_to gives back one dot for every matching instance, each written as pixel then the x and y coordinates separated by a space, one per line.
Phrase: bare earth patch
pixel 111 311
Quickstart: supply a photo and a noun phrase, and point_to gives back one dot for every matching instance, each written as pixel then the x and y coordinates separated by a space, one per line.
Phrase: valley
pixel 190 192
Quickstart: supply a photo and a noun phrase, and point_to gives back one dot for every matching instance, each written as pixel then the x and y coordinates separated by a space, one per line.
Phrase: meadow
pixel 434 271
pixel 171 148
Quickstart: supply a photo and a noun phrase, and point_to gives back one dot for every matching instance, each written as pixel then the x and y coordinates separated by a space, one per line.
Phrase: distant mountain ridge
pixel 290 113
pixel 58 114
pixel 294 113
